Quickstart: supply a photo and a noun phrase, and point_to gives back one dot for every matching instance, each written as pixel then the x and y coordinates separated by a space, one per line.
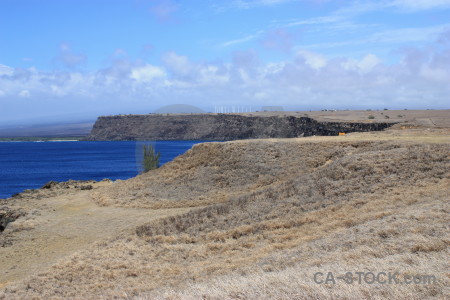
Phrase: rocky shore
pixel 221 127
pixel 246 219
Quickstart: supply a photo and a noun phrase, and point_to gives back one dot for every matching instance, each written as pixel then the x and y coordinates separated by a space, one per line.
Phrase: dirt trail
pixel 58 226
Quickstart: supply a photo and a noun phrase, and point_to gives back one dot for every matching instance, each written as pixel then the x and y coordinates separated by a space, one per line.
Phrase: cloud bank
pixel 309 81
pixel 301 75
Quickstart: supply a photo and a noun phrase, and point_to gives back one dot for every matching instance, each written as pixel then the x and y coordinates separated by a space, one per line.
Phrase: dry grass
pixel 278 211
pixel 213 172
pixel 409 118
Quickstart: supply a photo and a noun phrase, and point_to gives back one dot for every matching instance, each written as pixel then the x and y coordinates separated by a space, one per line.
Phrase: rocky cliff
pixel 218 127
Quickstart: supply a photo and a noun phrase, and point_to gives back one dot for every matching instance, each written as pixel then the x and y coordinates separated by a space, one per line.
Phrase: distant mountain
pixel 179 109
pixel 48 130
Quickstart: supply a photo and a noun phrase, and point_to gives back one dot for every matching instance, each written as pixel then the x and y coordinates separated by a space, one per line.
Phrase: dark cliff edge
pixel 218 127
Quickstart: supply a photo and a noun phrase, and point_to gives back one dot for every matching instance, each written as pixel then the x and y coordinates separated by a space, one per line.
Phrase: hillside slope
pixel 266 215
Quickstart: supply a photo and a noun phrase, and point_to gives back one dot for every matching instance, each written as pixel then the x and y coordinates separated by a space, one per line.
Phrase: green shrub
pixel 371 117
pixel 150 160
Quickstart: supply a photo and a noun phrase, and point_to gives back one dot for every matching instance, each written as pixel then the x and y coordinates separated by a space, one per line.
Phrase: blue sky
pixel 75 59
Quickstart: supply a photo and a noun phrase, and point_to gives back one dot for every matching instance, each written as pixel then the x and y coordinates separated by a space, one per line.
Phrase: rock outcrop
pixel 7 216
pixel 218 127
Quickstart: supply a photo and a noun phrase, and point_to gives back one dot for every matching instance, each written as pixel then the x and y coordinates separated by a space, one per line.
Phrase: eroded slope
pixel 277 209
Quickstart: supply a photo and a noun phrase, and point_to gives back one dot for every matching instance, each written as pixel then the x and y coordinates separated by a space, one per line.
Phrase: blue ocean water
pixel 29 165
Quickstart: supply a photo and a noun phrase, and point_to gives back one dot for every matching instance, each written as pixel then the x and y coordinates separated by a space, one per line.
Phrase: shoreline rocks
pixel 219 127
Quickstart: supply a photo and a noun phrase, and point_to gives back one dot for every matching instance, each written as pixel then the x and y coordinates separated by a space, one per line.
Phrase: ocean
pixel 29 165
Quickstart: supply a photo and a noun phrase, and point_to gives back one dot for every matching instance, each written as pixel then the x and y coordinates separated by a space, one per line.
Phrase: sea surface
pixel 29 165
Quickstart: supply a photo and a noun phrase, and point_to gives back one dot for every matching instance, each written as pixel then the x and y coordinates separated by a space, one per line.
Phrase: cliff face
pixel 217 127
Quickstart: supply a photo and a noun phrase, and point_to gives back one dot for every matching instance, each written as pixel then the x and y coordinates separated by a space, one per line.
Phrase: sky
pixel 73 60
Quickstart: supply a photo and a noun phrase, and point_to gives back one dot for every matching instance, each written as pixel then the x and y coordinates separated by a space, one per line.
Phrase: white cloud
pixel 147 73
pixel 120 53
pixel 309 80
pixel 404 35
pixel 439 75
pixel 366 64
pixel 177 63
pixel 278 39
pixel 5 70
pixel 314 60
pixel 24 94
pixel 185 73
pixel 164 10
pixel 391 38
pixel 313 21
pixel 68 58
pixel 213 75
pixel 342 21
pixel 57 91
pixel 261 95
pixel 241 40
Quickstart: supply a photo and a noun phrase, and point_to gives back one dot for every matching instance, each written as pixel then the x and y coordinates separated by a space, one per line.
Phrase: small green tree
pixel 150 160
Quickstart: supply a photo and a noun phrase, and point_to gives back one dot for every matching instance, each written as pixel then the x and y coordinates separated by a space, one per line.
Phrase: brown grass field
pixel 251 219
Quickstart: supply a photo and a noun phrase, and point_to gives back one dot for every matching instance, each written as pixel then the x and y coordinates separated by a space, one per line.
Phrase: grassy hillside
pixel 266 215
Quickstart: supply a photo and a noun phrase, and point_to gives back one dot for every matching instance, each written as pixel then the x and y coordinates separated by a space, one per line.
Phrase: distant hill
pixel 179 109
pixel 48 130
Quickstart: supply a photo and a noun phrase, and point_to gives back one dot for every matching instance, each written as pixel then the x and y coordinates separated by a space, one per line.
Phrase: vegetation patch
pixel 265 216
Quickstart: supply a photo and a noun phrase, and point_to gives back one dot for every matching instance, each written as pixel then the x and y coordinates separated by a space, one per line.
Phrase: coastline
pixel 28 165
pixel 237 214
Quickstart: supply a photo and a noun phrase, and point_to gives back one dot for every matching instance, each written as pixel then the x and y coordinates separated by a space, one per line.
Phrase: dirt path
pixel 61 222
pixel 58 226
